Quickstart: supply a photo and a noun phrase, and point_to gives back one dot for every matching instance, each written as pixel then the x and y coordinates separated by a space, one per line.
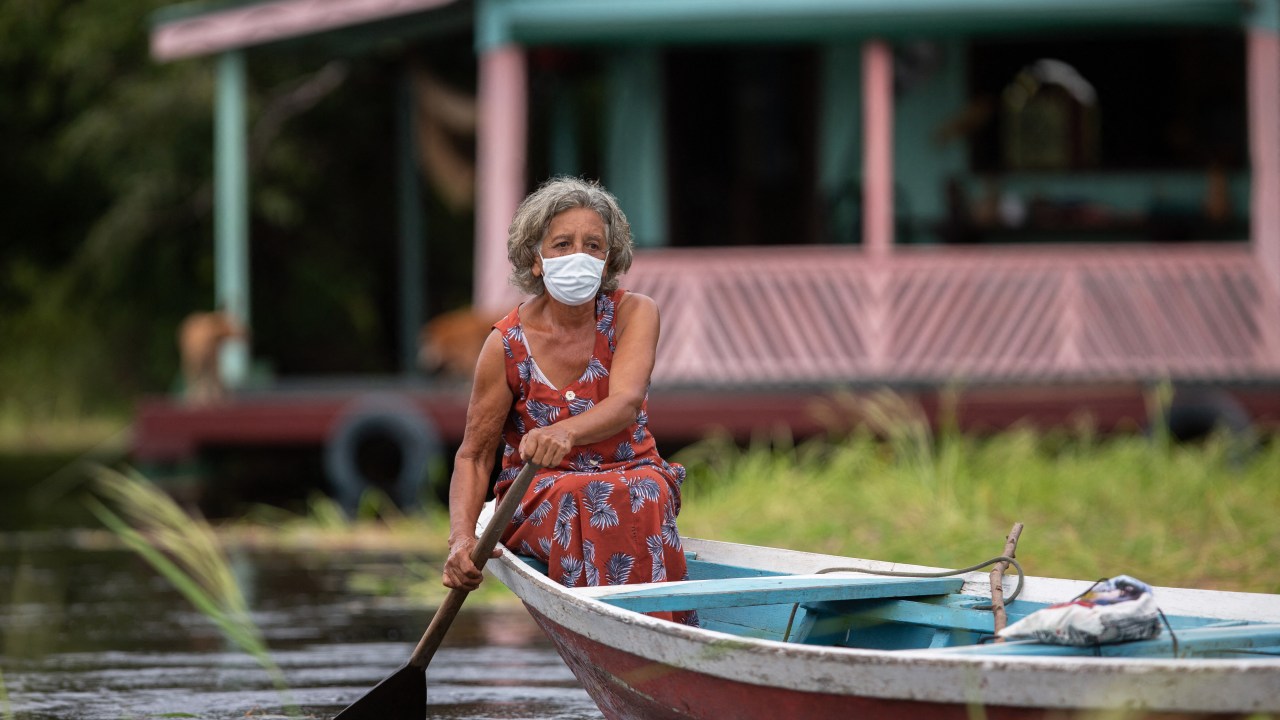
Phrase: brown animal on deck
pixel 450 343
pixel 199 338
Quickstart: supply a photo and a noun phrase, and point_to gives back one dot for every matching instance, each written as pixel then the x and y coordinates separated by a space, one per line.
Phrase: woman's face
pixel 578 230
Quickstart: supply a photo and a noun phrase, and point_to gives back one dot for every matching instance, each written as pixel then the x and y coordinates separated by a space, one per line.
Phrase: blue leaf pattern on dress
pixel 618 570
pixel 677 470
pixel 589 561
pixel 587 461
pixel 577 406
pixel 624 452
pixel 526 549
pixel 545 544
pixel 670 535
pixel 516 332
pixel 563 531
pixel 642 420
pixel 572 568
pixel 595 370
pixel 656 555
pixel 545 482
pixel 642 490
pixel 540 514
pixel 604 311
pixel 508 474
pixel 525 368
pixel 506 347
pixel 597 503
pixel 542 413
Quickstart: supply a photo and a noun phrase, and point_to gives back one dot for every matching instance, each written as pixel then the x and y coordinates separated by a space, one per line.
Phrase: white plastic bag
pixel 1115 610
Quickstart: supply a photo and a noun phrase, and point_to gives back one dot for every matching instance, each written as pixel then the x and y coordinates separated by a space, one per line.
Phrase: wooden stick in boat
pixel 997 579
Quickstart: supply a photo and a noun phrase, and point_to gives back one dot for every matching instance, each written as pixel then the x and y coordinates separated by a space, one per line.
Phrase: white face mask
pixel 572 279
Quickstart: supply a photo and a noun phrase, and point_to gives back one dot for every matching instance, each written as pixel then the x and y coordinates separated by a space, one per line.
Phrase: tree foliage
pixel 108 213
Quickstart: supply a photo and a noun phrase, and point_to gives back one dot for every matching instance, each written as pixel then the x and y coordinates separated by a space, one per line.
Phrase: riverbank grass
pixel 1197 515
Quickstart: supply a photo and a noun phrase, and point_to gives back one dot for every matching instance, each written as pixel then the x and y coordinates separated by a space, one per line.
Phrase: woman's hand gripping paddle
pixel 403 694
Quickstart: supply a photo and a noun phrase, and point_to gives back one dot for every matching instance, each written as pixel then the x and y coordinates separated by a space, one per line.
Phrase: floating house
pixel 1072 194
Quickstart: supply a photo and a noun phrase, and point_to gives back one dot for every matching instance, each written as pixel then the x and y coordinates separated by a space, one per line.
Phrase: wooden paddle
pixel 403 694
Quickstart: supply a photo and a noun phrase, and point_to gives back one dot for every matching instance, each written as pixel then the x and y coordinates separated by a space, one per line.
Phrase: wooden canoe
pixel 862 646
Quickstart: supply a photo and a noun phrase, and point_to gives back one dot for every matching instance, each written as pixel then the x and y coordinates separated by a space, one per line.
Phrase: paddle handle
pixel 448 609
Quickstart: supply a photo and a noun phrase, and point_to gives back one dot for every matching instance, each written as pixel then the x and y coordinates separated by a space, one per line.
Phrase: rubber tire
pixel 391 418
pixel 1195 414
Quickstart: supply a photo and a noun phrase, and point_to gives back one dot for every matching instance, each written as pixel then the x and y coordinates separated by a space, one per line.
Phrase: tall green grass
pixel 1199 515
pixel 5 707
pixel 185 551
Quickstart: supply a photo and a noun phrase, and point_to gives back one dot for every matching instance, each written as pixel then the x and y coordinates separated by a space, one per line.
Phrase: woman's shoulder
pixel 508 321
pixel 627 302
pixel 635 310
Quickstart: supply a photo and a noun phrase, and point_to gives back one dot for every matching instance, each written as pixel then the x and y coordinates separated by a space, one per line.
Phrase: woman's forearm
pixel 467 491
pixel 605 419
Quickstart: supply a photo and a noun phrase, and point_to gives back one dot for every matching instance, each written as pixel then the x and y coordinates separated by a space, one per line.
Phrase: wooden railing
pixel 1011 314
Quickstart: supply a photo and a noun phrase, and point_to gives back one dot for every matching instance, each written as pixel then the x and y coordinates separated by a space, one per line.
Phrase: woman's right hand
pixel 546 446
pixel 459 572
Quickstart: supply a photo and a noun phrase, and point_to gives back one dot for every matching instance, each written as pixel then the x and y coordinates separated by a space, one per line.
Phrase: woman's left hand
pixel 546 446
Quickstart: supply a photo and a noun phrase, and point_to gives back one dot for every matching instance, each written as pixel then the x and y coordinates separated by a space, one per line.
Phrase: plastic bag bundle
pixel 1115 610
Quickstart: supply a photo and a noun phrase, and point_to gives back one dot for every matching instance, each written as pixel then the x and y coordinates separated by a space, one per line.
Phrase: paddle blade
pixel 401 696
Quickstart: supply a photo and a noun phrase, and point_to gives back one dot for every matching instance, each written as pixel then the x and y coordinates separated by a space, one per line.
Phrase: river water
pixel 96 634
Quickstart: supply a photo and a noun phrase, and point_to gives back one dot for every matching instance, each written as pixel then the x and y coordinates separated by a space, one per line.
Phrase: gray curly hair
pixel 533 219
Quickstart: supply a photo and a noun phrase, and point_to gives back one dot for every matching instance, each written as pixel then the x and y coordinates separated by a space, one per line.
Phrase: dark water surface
pixel 95 634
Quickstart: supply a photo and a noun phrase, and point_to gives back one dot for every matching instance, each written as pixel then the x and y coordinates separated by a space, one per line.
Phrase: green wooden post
pixel 231 219
pixel 564 131
pixel 840 142
pixel 636 161
pixel 412 229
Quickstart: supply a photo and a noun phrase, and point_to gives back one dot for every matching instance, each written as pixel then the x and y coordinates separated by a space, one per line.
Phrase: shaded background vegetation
pixel 107 221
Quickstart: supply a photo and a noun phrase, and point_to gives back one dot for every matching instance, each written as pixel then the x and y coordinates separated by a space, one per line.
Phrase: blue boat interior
pixel 894 613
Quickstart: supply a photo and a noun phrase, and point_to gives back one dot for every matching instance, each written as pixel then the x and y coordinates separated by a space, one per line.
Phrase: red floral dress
pixel 607 514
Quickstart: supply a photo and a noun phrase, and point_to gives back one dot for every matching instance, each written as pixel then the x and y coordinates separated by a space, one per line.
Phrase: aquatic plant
pixel 185 551
pixel 4 699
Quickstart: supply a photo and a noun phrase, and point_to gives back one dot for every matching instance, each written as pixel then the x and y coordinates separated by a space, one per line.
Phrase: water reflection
pixel 91 634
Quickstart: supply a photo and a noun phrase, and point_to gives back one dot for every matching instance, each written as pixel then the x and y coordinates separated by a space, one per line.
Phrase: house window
pixel 1170 101
pixel 1049 119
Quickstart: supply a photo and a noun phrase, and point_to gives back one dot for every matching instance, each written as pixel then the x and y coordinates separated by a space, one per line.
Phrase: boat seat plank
pixel 913 612
pixel 741 592
pixel 1193 641
pixel 706 570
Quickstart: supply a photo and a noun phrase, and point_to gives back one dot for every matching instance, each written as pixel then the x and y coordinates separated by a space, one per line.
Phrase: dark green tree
pixel 106 220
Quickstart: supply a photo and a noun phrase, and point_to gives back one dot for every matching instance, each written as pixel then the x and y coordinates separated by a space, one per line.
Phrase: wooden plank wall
pixel 818 314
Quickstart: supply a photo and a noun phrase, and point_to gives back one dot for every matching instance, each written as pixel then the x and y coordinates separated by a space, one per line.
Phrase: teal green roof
pixel 648 22
pixel 675 21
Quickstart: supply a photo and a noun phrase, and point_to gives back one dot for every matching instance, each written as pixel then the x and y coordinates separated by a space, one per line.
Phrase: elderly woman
pixel 562 380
